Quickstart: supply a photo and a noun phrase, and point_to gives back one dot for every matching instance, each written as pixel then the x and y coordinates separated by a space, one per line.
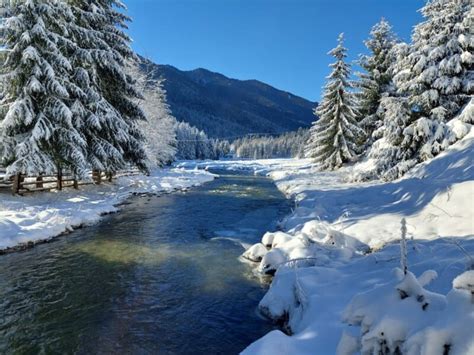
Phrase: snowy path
pixel 334 224
pixel 41 216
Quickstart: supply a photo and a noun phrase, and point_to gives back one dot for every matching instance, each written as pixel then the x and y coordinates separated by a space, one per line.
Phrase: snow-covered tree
pixel 37 131
pixel 376 80
pixel 107 106
pixel 335 138
pixel 434 80
pixel 67 102
pixel 159 129
pixel 437 73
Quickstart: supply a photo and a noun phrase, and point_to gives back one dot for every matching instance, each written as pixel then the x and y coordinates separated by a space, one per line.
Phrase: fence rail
pixel 21 184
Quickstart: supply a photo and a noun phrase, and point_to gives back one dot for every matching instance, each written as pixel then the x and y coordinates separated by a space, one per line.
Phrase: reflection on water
pixel 162 276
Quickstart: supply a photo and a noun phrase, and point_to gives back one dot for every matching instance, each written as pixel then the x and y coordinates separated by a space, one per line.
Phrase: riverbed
pixel 161 276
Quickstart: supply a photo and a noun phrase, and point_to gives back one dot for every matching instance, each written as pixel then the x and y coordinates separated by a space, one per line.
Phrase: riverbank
pixel 39 217
pixel 337 288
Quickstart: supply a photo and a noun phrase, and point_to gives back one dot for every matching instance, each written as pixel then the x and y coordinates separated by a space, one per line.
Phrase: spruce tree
pixel 107 105
pixel 434 80
pixel 37 133
pixel 376 80
pixel 335 137
pixel 437 74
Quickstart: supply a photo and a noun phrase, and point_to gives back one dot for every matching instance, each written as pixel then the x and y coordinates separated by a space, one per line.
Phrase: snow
pixel 337 286
pixel 42 216
pixel 465 281
pixel 255 253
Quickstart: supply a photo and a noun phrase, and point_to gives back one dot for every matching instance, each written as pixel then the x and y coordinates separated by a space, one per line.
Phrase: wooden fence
pixel 21 184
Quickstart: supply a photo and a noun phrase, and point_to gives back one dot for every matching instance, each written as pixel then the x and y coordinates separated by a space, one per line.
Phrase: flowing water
pixel 161 277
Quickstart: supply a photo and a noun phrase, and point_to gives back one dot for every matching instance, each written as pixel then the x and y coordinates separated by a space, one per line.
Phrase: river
pixel 162 276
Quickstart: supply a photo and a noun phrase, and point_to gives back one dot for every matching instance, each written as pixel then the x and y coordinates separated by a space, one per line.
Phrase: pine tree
pixel 376 80
pixel 37 133
pixel 437 73
pixel 434 80
pixel 335 137
pixel 436 76
pixel 107 107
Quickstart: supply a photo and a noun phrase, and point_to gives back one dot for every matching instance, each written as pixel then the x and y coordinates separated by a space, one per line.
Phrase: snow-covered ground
pixel 41 216
pixel 337 285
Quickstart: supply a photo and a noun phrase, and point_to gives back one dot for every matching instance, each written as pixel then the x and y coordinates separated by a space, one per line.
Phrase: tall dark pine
pixel 335 137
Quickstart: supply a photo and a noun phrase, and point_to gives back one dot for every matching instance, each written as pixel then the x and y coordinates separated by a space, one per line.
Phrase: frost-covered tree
pixel 336 136
pixel 37 131
pixel 437 73
pixel 107 106
pixel 67 102
pixel 434 80
pixel 159 129
pixel 376 80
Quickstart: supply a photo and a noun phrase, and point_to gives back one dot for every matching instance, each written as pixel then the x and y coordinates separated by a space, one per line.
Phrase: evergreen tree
pixel 437 74
pixel 376 80
pixel 67 102
pixel 434 79
pixel 107 106
pixel 37 132
pixel 335 137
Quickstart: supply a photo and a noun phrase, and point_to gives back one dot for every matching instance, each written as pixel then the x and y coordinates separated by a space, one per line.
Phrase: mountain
pixel 228 108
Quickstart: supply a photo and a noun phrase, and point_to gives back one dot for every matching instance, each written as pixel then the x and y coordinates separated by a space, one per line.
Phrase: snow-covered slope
pixel 435 197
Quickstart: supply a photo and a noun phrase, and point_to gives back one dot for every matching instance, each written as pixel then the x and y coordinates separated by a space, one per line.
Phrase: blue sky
pixel 280 42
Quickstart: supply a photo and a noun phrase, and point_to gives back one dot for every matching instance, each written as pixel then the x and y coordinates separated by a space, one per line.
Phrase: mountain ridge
pixel 226 107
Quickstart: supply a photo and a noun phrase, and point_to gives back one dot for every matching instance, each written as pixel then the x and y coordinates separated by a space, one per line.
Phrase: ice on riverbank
pixel 41 216
pixel 340 246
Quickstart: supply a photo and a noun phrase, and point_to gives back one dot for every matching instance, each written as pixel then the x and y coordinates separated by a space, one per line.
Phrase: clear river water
pixel 160 277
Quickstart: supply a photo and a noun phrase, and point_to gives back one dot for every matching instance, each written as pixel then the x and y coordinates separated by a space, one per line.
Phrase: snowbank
pixel 333 288
pixel 41 216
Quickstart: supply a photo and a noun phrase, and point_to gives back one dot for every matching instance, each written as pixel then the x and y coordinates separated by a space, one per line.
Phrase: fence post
pixel 59 178
pixel 96 176
pixel 75 183
pixel 16 183
pixel 39 182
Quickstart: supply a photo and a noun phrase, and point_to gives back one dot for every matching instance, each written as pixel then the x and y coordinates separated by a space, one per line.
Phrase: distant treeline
pixel 287 145
pixel 193 143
